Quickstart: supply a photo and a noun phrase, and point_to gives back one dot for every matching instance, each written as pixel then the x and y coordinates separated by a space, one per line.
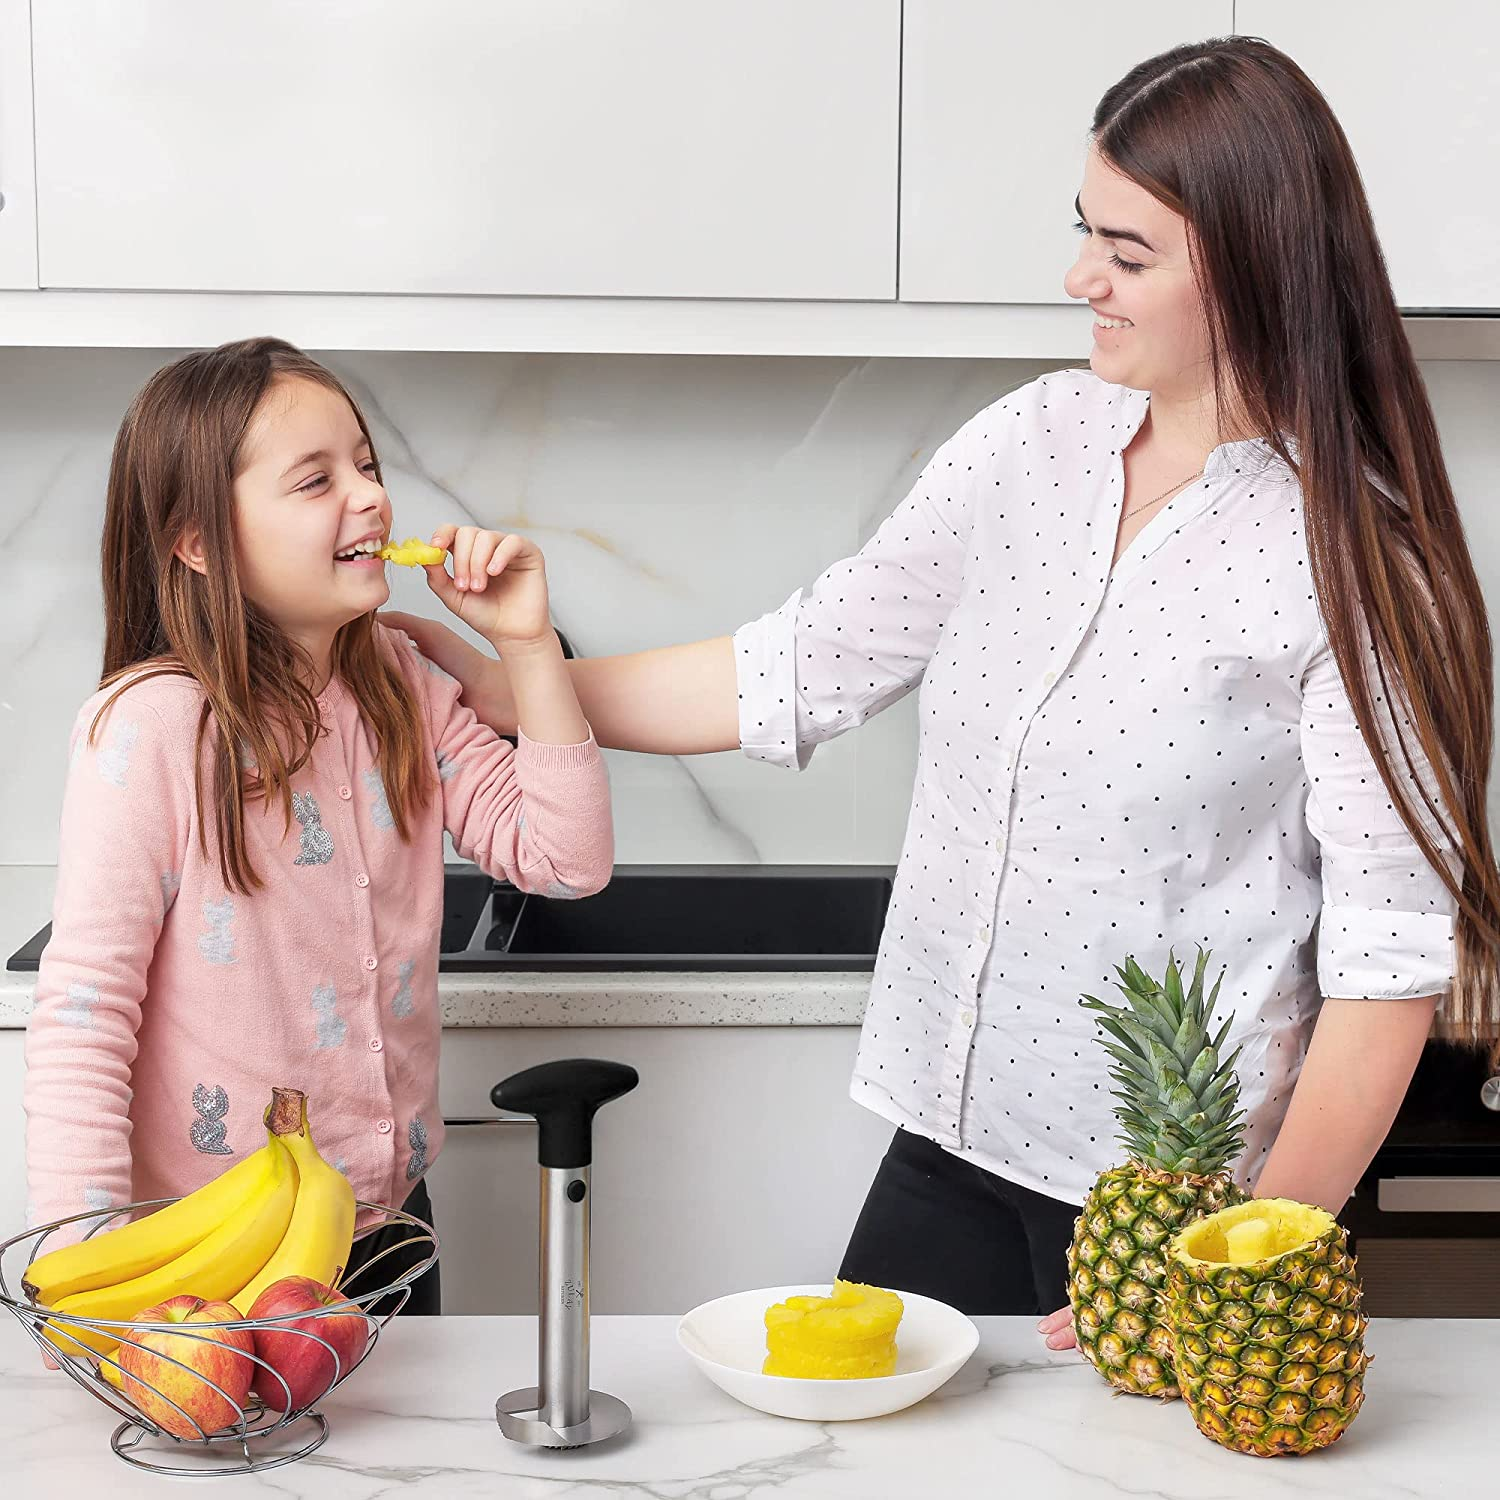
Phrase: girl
pixel 1203 660
pixel 250 873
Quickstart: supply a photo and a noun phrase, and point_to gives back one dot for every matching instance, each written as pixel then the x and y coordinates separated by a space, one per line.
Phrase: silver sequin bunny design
pixel 331 1027
pixel 317 842
pixel 416 1136
pixel 208 1130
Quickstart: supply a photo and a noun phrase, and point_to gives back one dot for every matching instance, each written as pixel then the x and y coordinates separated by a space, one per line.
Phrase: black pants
pixel 426 1291
pixel 945 1228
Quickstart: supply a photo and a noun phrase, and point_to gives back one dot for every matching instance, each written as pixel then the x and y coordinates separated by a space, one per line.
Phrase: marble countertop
pixel 1017 1420
pixel 526 999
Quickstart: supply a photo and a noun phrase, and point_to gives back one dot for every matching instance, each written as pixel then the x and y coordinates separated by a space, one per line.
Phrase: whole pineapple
pixel 1178 1106
pixel 1268 1327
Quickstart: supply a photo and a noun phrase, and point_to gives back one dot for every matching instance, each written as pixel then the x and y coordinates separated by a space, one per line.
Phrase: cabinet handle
pixel 458 1120
pixel 1438 1195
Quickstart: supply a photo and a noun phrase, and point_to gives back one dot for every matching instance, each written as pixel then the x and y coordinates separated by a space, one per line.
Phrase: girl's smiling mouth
pixel 365 551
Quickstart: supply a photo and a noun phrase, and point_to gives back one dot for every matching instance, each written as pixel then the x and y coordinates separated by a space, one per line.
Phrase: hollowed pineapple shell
pixel 1269 1350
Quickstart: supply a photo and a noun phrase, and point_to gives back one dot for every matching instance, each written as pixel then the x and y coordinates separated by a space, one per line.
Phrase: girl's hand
pixel 1058 1328
pixel 498 585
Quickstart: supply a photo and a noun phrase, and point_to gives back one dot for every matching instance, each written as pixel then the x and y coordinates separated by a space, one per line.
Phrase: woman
pixel 1160 611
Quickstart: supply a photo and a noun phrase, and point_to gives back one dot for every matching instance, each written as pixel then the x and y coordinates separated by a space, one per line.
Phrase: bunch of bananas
pixel 283 1211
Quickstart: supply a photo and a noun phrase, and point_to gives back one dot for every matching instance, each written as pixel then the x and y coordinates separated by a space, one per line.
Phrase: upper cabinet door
pixel 610 148
pixel 1414 89
pixel 17 198
pixel 996 105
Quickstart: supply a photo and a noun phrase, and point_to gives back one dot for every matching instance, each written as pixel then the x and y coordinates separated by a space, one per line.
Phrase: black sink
pixel 710 917
pixel 721 917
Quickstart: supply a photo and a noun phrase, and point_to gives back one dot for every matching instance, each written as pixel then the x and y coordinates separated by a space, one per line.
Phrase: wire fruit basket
pixel 257 1434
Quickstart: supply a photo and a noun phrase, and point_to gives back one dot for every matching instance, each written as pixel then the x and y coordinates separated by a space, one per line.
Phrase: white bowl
pixel 726 1339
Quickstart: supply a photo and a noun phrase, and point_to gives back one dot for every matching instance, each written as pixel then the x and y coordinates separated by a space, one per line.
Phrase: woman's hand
pixel 1058 1327
pixel 486 689
pixel 498 585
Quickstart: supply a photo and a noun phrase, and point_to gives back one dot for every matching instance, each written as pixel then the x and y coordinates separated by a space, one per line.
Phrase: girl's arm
pixel 538 815
pixel 126 812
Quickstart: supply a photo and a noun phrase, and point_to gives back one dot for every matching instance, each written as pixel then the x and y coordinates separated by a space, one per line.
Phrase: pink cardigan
pixel 167 1006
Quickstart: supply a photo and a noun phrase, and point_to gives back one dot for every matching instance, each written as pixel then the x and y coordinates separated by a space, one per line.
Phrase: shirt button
pixel 967 1017
pixel 345 793
pixel 376 1044
pixel 1000 843
pixel 361 881
pixel 372 963
pixel 383 1126
pixel 1049 679
pixel 984 934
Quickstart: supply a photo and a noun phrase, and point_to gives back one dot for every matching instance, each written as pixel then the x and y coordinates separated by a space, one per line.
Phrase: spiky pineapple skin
pixel 1271 1355
pixel 1117 1270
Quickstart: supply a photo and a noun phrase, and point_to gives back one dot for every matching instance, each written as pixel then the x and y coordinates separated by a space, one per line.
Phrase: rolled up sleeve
pixel 860 638
pixel 1386 930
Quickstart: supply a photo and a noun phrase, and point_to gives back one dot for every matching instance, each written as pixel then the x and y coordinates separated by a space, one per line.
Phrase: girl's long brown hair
pixel 172 473
pixel 1305 335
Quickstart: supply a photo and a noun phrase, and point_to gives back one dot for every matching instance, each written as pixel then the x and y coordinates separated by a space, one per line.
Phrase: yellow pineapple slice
pixel 412 553
pixel 848 1335
pixel 1249 1240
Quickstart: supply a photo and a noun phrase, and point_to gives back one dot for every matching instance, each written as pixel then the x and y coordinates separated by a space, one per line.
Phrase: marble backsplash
pixel 675 498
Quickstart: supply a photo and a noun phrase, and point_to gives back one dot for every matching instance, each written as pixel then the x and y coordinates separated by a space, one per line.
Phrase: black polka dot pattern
pixel 1112 760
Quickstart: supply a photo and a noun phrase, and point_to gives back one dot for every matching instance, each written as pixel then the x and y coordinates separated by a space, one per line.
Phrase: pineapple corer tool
pixel 560 1411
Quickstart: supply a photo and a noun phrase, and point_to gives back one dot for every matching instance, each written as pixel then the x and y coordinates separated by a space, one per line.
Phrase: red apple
pixel 216 1354
pixel 306 1366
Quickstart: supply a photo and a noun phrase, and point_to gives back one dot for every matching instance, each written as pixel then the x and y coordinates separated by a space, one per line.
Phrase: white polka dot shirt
pixel 1112 761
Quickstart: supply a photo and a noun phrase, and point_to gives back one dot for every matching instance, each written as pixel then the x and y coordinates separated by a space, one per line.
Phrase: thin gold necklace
pixel 1147 504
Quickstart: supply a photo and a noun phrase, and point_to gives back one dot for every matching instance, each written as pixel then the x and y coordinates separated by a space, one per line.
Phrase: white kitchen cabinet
pixel 740 1161
pixel 601 148
pixel 1415 90
pixel 996 106
pixel 17 192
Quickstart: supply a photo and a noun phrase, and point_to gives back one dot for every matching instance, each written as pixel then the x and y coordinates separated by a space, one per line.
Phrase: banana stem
pixel 287 1112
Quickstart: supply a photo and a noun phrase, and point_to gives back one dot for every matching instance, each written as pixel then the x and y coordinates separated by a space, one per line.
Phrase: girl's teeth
pixel 1113 323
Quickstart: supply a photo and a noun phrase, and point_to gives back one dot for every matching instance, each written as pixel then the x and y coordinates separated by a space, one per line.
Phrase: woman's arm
pixel 831 657
pixel 1355 1075
pixel 675 700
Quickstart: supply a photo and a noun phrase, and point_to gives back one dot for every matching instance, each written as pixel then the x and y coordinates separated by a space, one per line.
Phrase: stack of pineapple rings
pixel 850 1335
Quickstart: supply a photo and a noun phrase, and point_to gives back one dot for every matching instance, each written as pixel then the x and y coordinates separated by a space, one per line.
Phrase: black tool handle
pixel 564 1096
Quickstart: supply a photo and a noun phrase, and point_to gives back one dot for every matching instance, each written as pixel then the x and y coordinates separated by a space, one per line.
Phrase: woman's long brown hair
pixel 1306 336
pixel 172 473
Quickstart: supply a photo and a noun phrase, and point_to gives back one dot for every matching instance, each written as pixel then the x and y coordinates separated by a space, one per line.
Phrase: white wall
pixel 674 497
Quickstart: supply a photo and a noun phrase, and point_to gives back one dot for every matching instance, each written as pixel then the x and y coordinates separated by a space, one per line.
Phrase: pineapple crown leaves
pixel 1178 1096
